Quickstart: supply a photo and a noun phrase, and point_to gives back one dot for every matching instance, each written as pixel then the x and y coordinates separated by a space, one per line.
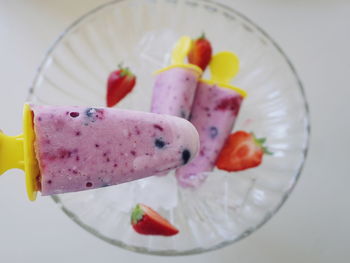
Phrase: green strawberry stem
pixel 266 151
pixel 125 71
pixel 202 36
pixel 260 142
pixel 137 214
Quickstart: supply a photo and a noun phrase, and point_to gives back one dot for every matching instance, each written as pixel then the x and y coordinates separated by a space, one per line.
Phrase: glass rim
pixel 246 233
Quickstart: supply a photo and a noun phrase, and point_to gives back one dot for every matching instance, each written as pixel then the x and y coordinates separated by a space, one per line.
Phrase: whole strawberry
pixel 241 151
pixel 120 83
pixel 201 52
pixel 146 221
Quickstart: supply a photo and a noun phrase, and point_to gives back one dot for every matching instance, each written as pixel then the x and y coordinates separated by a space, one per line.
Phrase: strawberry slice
pixel 146 221
pixel 241 151
pixel 201 52
pixel 120 83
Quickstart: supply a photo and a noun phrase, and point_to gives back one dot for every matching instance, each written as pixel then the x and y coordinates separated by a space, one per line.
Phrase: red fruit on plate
pixel 120 83
pixel 242 150
pixel 201 52
pixel 146 221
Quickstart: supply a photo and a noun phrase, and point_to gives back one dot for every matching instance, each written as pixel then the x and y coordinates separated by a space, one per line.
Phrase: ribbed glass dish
pixel 228 206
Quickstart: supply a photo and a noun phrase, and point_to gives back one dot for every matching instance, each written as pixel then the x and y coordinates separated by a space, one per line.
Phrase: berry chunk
pixel 120 83
pixel 241 151
pixel 146 221
pixel 201 52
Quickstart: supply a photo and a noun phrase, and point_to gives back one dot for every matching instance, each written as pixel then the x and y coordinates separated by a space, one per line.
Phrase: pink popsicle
pixel 214 113
pixel 82 148
pixel 174 90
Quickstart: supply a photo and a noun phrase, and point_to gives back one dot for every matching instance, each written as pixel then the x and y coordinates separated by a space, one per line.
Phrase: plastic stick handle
pixel 180 51
pixel 18 152
pixel 224 66
pixel 11 152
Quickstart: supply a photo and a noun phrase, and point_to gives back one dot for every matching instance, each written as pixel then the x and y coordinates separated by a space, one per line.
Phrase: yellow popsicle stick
pixel 18 152
pixel 178 55
pixel 181 49
pixel 198 70
pixel 224 66
pixel 242 92
pixel 11 152
pixel 31 166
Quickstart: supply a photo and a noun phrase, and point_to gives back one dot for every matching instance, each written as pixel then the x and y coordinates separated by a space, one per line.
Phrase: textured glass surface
pixel 229 206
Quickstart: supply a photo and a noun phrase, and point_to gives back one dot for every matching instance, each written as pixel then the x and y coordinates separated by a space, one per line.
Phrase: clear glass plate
pixel 228 206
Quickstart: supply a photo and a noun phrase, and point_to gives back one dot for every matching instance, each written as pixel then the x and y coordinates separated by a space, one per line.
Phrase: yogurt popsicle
pixel 214 112
pixel 84 148
pixel 67 149
pixel 175 86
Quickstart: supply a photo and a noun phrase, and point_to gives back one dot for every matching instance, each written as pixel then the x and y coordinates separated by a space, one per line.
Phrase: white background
pixel 313 225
